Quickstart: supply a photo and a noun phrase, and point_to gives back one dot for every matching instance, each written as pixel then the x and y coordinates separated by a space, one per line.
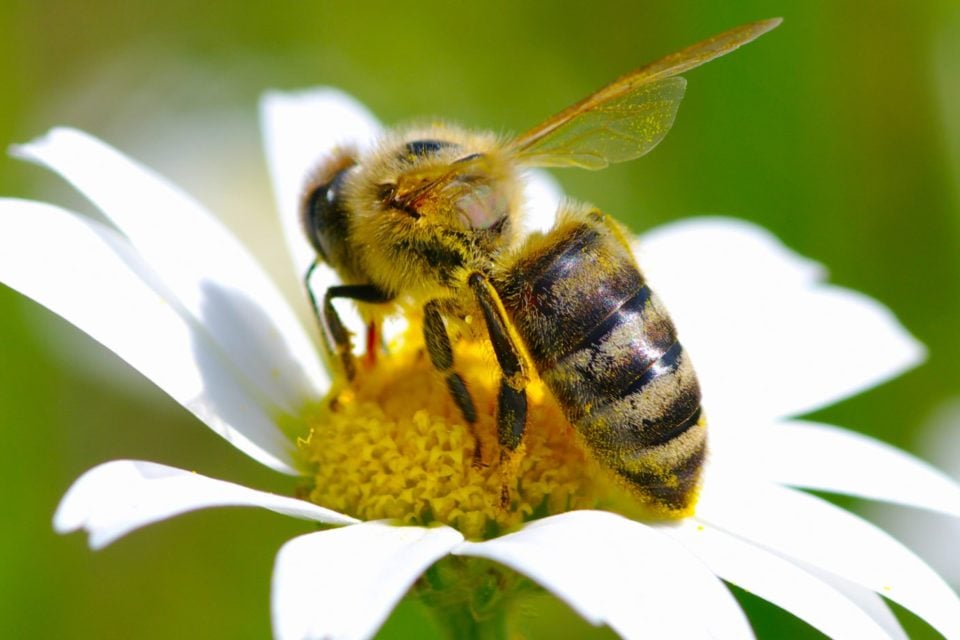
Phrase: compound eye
pixel 312 212
pixel 323 216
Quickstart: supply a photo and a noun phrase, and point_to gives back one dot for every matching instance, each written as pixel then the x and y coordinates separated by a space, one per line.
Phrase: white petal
pixel 89 275
pixel 343 583
pixel 115 498
pixel 736 246
pixel 776 580
pixel 806 454
pixel 813 531
pixel 932 535
pixel 766 339
pixel 619 572
pixel 298 130
pixel 542 196
pixel 872 604
pixel 211 273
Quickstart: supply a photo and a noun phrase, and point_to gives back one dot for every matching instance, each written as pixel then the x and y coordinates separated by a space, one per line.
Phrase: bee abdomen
pixel 605 346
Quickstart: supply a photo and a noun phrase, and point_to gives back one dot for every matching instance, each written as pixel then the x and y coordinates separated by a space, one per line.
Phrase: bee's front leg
pixel 336 337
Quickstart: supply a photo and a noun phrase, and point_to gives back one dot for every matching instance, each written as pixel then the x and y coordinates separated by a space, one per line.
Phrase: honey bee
pixel 430 219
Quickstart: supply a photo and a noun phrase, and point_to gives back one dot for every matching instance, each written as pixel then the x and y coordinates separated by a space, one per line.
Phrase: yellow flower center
pixel 393 445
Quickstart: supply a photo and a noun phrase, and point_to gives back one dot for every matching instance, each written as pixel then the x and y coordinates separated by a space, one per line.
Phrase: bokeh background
pixel 839 131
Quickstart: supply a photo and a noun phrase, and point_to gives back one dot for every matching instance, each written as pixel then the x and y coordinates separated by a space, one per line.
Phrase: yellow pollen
pixel 393 445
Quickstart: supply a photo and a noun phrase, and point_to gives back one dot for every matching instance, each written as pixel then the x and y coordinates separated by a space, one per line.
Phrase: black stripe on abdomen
pixel 655 407
pixel 631 308
pixel 674 488
pixel 559 296
pixel 664 365
pixel 615 359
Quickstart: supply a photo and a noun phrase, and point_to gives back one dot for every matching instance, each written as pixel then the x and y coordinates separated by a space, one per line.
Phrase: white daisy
pixel 175 295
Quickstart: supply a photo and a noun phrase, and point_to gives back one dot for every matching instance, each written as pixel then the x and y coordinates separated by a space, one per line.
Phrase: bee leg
pixel 512 400
pixel 441 356
pixel 335 334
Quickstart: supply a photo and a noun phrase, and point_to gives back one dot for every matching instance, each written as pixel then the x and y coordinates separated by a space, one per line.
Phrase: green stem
pixel 459 623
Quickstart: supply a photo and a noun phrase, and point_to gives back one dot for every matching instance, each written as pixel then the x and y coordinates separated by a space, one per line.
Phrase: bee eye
pixel 323 218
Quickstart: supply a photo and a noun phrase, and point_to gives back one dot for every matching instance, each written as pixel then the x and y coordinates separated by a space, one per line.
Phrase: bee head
pixel 416 211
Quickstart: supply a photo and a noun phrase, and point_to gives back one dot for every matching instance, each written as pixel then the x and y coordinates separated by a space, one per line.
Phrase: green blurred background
pixel 840 132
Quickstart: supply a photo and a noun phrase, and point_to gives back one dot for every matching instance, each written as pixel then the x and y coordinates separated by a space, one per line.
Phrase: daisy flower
pixel 388 475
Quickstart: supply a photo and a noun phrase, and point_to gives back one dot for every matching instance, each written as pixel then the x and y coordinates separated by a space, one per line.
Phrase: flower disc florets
pixel 393 444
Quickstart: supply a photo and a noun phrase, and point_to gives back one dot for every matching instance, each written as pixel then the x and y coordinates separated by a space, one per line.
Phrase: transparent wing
pixel 623 128
pixel 628 117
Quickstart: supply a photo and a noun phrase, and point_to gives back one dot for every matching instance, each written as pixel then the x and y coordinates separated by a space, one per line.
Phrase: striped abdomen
pixel 608 351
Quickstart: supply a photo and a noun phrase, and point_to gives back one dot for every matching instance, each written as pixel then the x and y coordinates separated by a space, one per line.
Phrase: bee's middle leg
pixel 512 399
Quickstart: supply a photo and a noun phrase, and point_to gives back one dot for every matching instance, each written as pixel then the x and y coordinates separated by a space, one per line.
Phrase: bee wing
pixel 628 117
pixel 614 129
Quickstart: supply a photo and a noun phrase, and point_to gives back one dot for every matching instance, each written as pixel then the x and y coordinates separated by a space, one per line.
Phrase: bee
pixel 430 219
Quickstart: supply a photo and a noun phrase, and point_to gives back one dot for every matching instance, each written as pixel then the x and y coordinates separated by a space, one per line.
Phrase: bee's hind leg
pixel 512 400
